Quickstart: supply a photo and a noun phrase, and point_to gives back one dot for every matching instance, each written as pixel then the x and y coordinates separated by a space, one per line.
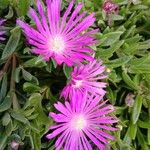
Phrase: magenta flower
pixel 86 123
pixel 62 38
pixel 2 32
pixel 88 78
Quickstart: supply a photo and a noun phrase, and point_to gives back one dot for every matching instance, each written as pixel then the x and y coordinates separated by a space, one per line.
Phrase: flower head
pixel 85 78
pixel 2 32
pixel 110 7
pixel 78 126
pixel 62 38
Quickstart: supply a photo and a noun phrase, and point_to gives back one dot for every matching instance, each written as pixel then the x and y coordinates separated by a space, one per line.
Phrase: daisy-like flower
pixel 86 77
pixel 2 32
pixel 80 127
pixel 62 38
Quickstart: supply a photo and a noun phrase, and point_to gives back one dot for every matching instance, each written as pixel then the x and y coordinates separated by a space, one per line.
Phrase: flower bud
pixel 110 7
pixel 129 100
pixel 14 145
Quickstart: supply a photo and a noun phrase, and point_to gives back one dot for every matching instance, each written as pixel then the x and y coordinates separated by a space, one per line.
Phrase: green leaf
pixel 33 116
pixel 23 6
pixel 10 13
pixel 29 87
pixel 9 129
pixel 4 3
pixel 141 140
pixel 6 104
pixel 19 117
pixel 126 78
pixel 12 43
pixel 34 128
pixel 148 136
pixel 113 77
pixel 3 89
pixel 49 66
pixel 107 53
pixel 130 49
pixel 17 74
pixel 6 119
pixel 67 70
pixel 129 31
pixel 14 100
pixel 118 62
pixel 127 139
pixel 140 61
pixel 36 140
pixel 3 139
pixel 111 95
pixel 4 136
pixel 116 17
pixel 119 110
pixel 137 79
pixel 35 62
pixel 144 45
pixel 29 77
pixel 29 112
pixel 137 108
pixel 35 101
pixel 133 40
pixel 139 7
pixel 111 38
pixel 133 131
pixel 54 63
pixel 26 75
pixel 144 124
pixel 140 69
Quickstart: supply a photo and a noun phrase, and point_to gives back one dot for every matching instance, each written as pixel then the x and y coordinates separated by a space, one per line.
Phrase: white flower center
pixel 77 84
pixel 57 44
pixel 78 122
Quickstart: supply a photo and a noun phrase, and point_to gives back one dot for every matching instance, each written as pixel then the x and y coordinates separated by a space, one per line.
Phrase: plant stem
pixel 12 84
pixel 5 68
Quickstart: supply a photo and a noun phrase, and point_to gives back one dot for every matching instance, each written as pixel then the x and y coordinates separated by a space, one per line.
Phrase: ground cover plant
pixel 74 74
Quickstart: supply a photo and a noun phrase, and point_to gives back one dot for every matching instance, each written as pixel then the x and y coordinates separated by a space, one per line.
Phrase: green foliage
pixel 29 86
pixel 12 43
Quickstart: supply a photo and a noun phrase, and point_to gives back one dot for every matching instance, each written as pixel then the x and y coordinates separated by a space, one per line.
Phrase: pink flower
pixel 2 32
pixel 86 78
pixel 79 126
pixel 62 38
pixel 110 7
pixel 14 145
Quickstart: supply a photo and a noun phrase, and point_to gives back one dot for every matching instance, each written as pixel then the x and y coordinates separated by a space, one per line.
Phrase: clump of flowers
pixel 63 39
pixel 2 32
pixel 84 118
